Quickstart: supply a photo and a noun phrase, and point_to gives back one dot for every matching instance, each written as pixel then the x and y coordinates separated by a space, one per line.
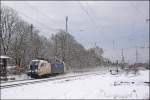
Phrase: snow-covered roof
pixel 4 57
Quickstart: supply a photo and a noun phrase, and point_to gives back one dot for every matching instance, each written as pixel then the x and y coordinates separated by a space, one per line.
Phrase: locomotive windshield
pixel 34 65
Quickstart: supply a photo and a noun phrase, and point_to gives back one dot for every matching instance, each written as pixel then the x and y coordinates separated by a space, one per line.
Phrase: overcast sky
pixel 90 22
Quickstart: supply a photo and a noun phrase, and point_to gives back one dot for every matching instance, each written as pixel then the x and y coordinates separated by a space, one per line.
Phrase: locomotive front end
pixel 34 68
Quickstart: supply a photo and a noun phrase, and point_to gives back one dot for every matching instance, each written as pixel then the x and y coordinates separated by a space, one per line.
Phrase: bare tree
pixel 22 42
pixel 73 53
pixel 9 20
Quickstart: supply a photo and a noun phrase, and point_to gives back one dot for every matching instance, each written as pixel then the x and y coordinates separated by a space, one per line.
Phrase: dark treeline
pixel 21 41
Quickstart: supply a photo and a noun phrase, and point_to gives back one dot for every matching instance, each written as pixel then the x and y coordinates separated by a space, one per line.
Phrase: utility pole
pixel 66 52
pixel 135 65
pixel 122 58
pixel 136 55
pixel 31 31
pixel 66 23
pixel 95 45
pixel 31 41
pixel 113 44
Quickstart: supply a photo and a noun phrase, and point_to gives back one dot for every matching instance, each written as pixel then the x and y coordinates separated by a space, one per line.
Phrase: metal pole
pixel 136 55
pixel 122 60
pixel 31 31
pixel 113 44
pixel 66 50
pixel 66 23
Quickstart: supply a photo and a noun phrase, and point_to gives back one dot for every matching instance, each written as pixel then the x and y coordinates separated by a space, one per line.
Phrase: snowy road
pixel 87 87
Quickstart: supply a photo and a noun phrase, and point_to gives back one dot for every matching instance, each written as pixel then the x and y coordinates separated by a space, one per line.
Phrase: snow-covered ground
pixel 25 77
pixel 85 87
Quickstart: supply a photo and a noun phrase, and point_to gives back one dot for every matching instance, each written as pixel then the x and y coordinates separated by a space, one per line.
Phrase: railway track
pixel 16 81
pixel 23 80
pixel 37 81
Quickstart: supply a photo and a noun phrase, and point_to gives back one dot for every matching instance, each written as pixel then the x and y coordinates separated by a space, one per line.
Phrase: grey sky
pixel 90 22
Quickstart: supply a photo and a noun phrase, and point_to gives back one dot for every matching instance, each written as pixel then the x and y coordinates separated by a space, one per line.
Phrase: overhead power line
pixel 38 22
pixel 40 12
pixel 91 10
pixel 88 14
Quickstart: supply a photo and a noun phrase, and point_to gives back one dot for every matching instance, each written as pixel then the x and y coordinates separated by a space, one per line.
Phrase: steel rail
pixel 46 80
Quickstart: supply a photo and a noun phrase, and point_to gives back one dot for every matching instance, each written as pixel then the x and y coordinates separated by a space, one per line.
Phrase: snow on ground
pixel 19 77
pixel 85 87
pixel 24 78
pixel 13 78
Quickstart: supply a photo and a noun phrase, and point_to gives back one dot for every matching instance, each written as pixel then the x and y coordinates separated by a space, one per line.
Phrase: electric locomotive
pixel 39 68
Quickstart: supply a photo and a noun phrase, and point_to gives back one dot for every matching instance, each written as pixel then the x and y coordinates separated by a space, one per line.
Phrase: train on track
pixel 40 68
